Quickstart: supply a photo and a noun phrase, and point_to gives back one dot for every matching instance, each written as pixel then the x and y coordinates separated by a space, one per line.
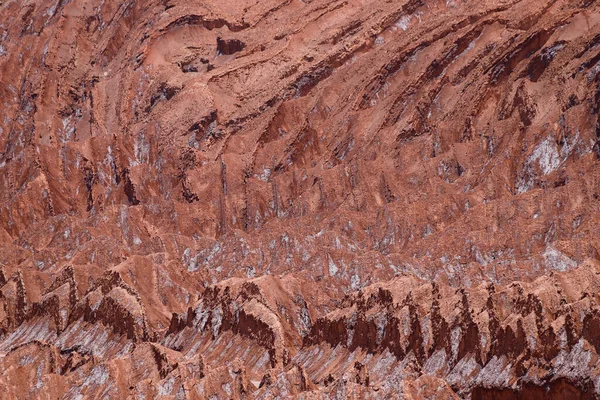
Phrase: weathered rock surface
pixel 294 198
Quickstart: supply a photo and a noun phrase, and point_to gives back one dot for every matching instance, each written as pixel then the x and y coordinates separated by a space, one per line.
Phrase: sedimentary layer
pixel 299 198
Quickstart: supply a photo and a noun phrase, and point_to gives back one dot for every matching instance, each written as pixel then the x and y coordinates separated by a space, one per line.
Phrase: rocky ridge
pixel 259 338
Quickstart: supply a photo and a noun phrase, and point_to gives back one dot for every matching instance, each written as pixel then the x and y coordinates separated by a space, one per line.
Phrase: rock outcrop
pixel 299 198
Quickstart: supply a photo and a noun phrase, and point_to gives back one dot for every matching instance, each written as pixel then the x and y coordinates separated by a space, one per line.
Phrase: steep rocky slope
pixel 326 199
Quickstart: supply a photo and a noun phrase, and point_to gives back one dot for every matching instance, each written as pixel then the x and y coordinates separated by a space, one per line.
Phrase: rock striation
pixel 256 337
pixel 300 198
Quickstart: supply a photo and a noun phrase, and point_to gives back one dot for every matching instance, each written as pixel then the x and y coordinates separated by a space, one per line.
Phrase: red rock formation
pixel 273 199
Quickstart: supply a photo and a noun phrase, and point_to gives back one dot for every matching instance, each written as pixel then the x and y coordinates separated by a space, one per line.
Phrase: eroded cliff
pixel 267 199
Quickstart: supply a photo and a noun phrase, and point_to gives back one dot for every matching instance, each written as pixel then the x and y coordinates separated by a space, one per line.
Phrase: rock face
pixel 300 198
